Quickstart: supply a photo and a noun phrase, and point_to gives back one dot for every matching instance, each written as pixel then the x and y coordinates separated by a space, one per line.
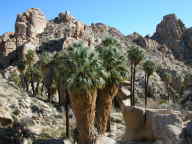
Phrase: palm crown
pixel 114 61
pixel 81 68
pixel 135 55
pixel 149 67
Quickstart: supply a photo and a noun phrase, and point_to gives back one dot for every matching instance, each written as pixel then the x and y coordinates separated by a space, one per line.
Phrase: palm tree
pixel 22 67
pixel 114 62
pixel 82 76
pixel 149 67
pixel 29 60
pixel 135 55
pixel 37 77
pixel 47 66
pixel 45 60
pixel 167 77
pixel 30 57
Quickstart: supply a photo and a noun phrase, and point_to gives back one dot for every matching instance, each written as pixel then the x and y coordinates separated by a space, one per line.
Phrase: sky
pixel 128 16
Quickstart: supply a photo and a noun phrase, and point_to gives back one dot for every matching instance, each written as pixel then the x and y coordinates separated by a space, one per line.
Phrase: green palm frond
pixel 45 58
pixel 30 57
pixel 135 55
pixel 80 68
pixel 149 67
pixel 114 61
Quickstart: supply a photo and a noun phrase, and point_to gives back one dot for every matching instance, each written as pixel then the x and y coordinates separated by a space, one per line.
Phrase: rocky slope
pixel 169 47
pixel 170 42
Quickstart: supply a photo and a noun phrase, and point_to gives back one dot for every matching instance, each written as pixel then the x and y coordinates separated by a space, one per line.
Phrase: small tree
pixel 167 77
pixel 22 68
pixel 135 55
pixel 149 67
pixel 30 57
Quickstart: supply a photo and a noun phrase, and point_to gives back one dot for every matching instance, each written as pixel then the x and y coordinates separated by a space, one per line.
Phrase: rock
pixel 7 43
pixel 30 23
pixel 30 45
pixel 10 70
pixel 5 117
pixel 68 42
pixel 80 28
pixel 157 124
pixel 187 42
pixel 64 18
pixel 52 141
pixel 105 140
pixel 144 42
pixel 169 32
pixel 170 29
pixel 186 134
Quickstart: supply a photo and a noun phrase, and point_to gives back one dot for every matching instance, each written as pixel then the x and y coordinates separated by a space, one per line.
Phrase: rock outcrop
pixel 30 23
pixel 7 43
pixel 155 124
pixel 169 30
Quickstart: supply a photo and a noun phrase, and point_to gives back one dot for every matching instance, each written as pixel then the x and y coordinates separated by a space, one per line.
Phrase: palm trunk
pixel 104 107
pixel 131 97
pixel 134 85
pixel 168 92
pixel 42 88
pixel 83 105
pixel 66 105
pixel 146 93
pixel 146 88
pixel 62 94
pixel 33 87
pixel 109 125
pixel 50 96
pixel 37 88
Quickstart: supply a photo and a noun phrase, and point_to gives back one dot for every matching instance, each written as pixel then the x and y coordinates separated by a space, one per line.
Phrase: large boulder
pixel 155 124
pixel 105 140
pixel 5 117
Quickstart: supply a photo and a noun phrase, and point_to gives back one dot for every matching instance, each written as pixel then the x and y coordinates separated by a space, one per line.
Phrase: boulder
pixel 80 28
pixel 5 117
pixel 105 140
pixel 155 124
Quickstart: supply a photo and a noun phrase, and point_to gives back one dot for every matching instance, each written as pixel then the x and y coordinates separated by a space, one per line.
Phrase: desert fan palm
pixel 115 64
pixel 135 55
pixel 149 68
pixel 82 75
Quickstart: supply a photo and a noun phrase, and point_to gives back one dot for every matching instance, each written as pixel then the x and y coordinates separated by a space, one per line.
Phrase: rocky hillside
pixel 169 47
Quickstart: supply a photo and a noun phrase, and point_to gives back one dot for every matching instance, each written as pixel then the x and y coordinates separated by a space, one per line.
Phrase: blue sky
pixel 127 15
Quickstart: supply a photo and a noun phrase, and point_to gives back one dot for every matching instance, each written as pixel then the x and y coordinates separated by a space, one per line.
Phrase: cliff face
pixel 34 31
pixel 169 29
pixel 172 32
